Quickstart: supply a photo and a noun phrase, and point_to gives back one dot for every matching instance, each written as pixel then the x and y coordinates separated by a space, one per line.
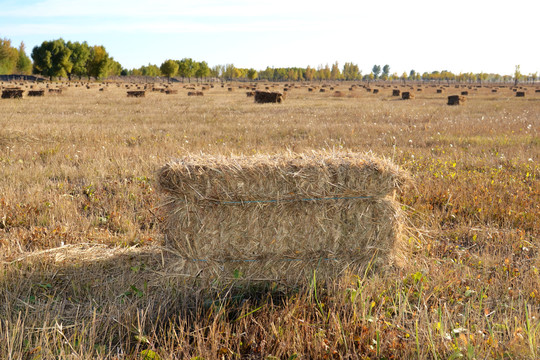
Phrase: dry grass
pixel 84 275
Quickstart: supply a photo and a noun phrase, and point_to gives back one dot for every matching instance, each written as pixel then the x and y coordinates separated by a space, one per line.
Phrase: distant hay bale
pixel 494 90
pixel 440 91
pixel 396 92
pixel 262 97
pixel 230 89
pixel 310 89
pixel 406 95
pixel 375 91
pixel 136 93
pixel 520 93
pixel 456 100
pixel 171 91
pixel 12 93
pixel 195 93
pixel 464 93
pixel 36 92
pixel 280 217
pixel 55 91
pixel 250 93
pixel 322 90
pixel 338 93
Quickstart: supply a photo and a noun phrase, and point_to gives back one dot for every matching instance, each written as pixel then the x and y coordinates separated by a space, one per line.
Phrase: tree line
pixel 57 58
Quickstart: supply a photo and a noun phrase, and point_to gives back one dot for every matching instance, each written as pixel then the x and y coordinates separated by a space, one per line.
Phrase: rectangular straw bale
pixel 281 216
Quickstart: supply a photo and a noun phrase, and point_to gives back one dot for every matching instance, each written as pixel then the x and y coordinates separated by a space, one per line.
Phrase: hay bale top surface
pixel 285 177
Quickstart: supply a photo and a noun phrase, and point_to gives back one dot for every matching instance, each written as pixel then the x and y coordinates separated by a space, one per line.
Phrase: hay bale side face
pixel 136 93
pixel 256 213
pixel 12 93
pixel 396 92
pixel 407 95
pixel 456 100
pixel 36 92
pixel 520 93
pixel 262 97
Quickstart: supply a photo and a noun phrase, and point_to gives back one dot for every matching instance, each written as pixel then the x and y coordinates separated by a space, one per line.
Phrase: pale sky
pixel 424 35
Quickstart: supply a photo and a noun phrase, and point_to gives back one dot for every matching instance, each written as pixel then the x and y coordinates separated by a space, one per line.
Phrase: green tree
pixel 351 71
pixel 252 74
pixel 169 68
pixel 150 70
pixel 517 75
pixel 24 64
pixel 217 71
pixel 386 71
pixel 376 71
pixel 8 57
pixel 115 68
pixel 404 77
pixel 229 72
pixel 533 76
pixel 99 62
pixel 335 73
pixel 187 68
pixel 310 73
pixel 80 54
pixel 51 59
pixel 202 70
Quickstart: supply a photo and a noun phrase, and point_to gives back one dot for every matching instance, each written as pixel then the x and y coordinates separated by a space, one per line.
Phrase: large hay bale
pixel 12 93
pixel 456 100
pixel 520 93
pixel 36 92
pixel 262 97
pixel 396 92
pixel 136 93
pixel 407 95
pixel 280 217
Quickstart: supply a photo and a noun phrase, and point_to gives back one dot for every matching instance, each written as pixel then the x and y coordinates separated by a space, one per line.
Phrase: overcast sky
pixel 424 35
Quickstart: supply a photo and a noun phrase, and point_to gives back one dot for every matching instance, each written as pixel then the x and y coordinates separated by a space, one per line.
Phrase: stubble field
pixel 84 274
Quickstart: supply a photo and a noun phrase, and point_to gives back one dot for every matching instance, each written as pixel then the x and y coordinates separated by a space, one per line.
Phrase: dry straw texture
pixel 280 217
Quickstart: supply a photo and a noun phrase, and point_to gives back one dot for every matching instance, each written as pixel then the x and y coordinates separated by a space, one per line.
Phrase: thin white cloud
pixel 159 27
pixel 142 8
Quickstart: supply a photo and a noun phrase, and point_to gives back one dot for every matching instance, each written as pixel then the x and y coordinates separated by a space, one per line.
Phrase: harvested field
pixel 86 270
